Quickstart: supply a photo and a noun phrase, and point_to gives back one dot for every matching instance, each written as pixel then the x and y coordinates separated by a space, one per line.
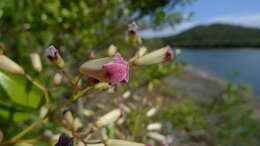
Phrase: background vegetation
pixel 75 27
pixel 214 36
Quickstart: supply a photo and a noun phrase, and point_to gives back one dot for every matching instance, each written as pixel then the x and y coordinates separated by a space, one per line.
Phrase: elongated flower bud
pixel 36 61
pixel 53 54
pixel 57 78
pixel 109 69
pixel 151 112
pixel 157 56
pixel 141 51
pixel 116 142
pixel 68 117
pixel 111 51
pixel 154 126
pixel 109 118
pixel 156 136
pixel 9 65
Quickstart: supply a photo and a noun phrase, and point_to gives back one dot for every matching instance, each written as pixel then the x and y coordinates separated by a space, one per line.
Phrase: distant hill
pixel 215 35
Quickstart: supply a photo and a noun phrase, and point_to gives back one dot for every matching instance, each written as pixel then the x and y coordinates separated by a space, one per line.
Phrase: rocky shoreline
pixel 197 82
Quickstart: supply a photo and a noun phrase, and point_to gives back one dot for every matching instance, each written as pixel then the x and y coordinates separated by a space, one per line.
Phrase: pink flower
pixel 109 69
pixel 117 70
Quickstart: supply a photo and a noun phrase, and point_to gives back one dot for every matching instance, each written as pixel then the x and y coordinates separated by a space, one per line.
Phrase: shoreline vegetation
pixel 214 36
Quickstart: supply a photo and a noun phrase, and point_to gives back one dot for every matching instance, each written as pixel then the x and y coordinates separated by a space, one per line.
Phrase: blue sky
pixel 239 12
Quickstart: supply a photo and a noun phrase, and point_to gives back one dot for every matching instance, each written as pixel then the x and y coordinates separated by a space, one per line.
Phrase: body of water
pixel 235 65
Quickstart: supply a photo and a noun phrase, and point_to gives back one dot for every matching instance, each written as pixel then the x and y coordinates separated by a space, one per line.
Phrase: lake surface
pixel 235 65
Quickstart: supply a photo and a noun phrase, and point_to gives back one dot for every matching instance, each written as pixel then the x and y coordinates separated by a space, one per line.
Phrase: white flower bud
pixel 77 124
pixel 156 136
pixel 141 51
pixel 87 112
pixel 126 94
pixel 9 65
pixel 155 57
pixel 116 142
pixel 43 111
pixel 151 112
pixel 68 117
pixel 36 61
pixel 111 51
pixel 154 126
pixel 57 78
pixel 109 118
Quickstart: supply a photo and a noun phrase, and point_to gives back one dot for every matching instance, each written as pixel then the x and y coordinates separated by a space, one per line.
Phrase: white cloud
pixel 167 31
pixel 249 20
pixel 244 20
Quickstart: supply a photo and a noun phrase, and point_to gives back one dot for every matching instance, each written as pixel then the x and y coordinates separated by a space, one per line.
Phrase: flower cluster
pixel 107 73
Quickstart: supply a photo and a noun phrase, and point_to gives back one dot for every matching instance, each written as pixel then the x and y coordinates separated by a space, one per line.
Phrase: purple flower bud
pixel 110 69
pixel 65 141
pixel 133 28
pixel 52 53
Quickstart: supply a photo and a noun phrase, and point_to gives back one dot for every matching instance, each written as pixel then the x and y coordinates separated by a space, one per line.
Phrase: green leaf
pixel 21 96
pixel 16 88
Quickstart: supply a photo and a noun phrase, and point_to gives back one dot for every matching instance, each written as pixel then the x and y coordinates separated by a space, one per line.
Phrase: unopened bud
pixel 53 54
pixel 57 78
pixel 111 51
pixel 155 57
pixel 133 33
pixel 156 136
pixel 9 65
pixel 110 69
pixel 109 118
pixel 154 126
pixel 36 61
pixel 77 124
pixel 68 117
pixel 87 112
pixel 141 51
pixel 43 111
pixel 126 94
pixel 151 112
pixel 116 142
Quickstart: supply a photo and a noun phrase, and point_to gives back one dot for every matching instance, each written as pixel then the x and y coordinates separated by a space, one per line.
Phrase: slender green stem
pixel 38 122
pixel 66 75
pixel 40 86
